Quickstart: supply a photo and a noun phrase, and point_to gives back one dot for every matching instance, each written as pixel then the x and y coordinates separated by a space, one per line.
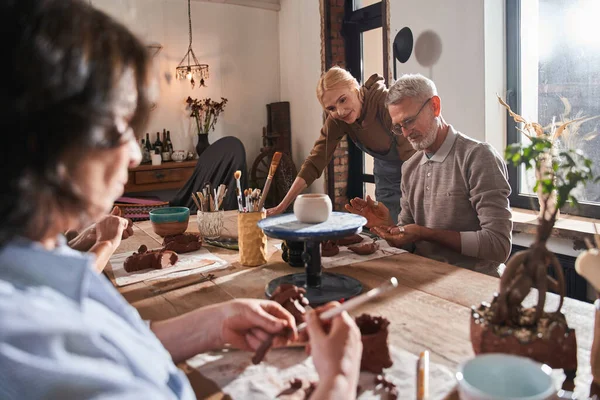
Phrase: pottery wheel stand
pixel 320 287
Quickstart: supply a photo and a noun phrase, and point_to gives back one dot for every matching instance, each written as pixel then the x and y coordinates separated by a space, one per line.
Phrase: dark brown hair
pixel 64 61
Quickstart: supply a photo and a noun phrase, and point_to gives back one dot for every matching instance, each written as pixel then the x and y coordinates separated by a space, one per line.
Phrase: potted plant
pixel 205 113
pixel 506 325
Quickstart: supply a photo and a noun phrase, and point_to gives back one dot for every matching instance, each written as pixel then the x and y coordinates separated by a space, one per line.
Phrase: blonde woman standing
pixel 360 112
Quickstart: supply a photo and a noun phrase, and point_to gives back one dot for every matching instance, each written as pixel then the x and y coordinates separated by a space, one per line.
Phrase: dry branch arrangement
pixel 505 325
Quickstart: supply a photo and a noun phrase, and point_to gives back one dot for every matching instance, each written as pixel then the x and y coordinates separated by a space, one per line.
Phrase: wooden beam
pixel 273 5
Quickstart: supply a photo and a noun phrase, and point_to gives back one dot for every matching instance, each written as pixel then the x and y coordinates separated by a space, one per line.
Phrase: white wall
pixel 460 70
pixel 241 46
pixel 495 72
pixel 300 68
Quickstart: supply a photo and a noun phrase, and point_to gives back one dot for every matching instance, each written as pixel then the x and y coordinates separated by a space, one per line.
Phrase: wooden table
pixel 429 310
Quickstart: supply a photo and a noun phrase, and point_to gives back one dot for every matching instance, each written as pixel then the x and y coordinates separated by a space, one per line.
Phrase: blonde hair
pixel 334 78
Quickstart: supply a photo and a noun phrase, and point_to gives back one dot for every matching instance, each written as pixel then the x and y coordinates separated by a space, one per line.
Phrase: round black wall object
pixel 403 44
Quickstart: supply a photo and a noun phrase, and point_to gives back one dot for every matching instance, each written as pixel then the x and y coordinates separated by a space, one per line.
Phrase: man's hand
pixel 399 236
pixel 376 213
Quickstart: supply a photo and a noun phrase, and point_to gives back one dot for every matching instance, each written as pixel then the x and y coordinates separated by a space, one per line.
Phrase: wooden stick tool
pixel 272 170
pixel 392 283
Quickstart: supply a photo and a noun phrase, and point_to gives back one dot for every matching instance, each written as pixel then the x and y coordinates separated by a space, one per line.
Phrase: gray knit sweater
pixel 463 187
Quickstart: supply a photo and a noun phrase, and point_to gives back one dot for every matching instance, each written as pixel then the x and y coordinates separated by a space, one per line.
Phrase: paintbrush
pixel 355 302
pixel 220 195
pixel 223 194
pixel 196 201
pixel 202 201
pixel 272 170
pixel 237 175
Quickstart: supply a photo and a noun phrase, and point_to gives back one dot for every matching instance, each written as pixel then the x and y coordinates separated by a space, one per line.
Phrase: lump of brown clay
pixel 383 383
pixel 150 259
pixel 348 240
pixel 291 298
pixel 329 248
pixel 374 335
pixel 299 389
pixel 365 249
pixel 183 243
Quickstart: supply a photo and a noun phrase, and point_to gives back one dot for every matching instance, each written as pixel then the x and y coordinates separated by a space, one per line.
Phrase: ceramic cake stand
pixel 320 287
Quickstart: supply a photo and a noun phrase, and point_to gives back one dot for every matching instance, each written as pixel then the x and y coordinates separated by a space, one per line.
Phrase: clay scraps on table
pixel 364 249
pixel 329 248
pixel 150 259
pixel 348 240
pixel 389 387
pixel 183 243
pixel 302 389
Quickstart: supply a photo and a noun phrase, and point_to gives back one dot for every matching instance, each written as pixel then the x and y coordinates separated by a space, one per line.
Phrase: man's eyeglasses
pixel 408 123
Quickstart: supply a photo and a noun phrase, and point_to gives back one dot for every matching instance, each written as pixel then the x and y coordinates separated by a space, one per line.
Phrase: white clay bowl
pixel 312 208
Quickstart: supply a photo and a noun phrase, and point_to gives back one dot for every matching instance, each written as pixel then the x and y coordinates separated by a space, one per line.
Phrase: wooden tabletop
pixel 430 310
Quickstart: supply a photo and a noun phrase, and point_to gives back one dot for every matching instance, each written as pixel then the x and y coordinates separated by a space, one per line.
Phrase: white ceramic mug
pixel 312 208
pixel 156 159
pixel 504 377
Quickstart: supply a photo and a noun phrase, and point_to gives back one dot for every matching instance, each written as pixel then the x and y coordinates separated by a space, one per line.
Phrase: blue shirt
pixel 66 333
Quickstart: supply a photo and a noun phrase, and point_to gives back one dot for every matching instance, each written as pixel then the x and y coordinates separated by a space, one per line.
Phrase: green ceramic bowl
pixel 168 221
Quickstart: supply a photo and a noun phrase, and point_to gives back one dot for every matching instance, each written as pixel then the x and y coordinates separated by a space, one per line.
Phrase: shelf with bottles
pixel 162 147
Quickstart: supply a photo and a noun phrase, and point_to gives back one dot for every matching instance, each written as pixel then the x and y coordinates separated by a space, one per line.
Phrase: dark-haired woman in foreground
pixel 74 97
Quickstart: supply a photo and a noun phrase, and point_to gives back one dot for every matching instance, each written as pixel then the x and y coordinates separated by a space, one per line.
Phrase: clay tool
pixel 272 170
pixel 237 175
pixel 328 314
pixel 196 201
pixel 423 376
pixel 392 283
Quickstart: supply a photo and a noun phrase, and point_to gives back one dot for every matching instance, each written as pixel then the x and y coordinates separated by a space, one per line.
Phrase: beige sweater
pixel 463 187
pixel 372 129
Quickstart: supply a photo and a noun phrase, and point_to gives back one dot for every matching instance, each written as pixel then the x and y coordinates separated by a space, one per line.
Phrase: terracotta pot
pixel 558 348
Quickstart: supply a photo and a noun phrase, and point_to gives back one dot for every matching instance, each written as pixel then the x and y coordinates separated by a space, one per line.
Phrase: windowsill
pixel 566 227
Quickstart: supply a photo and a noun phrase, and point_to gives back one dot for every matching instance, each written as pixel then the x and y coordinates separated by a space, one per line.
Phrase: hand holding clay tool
pixel 328 314
pixel 356 301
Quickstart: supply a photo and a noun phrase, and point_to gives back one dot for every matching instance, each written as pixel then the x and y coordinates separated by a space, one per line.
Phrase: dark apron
pixel 387 169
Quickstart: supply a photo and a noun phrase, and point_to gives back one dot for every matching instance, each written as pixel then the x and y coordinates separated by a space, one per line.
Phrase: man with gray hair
pixel 454 189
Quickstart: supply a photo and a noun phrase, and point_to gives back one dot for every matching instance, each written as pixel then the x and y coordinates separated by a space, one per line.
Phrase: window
pixel 553 74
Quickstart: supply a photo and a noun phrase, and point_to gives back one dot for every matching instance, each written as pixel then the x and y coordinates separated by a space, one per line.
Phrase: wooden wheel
pixel 282 181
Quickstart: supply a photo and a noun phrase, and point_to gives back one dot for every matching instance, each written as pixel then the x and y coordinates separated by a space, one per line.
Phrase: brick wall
pixel 335 54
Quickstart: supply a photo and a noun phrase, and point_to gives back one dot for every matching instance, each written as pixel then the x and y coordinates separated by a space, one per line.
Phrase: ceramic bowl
pixel 312 208
pixel 503 377
pixel 179 155
pixel 168 221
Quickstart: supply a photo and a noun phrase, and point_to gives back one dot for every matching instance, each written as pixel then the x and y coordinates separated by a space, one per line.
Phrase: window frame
pixel 357 21
pixel 514 100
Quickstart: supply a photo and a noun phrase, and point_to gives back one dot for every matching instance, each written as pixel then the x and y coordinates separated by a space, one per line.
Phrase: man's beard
pixel 427 140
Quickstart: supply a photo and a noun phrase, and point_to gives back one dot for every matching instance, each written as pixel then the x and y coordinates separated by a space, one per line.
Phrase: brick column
pixel 333 52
